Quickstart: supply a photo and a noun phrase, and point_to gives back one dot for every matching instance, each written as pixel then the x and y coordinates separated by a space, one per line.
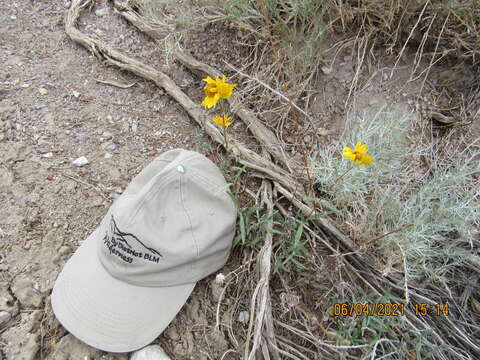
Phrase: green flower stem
pixel 224 110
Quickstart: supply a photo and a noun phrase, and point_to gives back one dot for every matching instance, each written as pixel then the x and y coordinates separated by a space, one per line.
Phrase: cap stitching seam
pixel 189 219
pixel 151 193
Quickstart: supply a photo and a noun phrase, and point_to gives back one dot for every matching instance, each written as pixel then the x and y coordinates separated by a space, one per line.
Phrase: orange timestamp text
pixel 368 309
pixel 388 309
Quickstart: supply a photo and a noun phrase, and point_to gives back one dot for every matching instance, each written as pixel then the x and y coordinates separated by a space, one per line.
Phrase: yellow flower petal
pixel 366 160
pixel 209 80
pixel 359 155
pixel 210 101
pixel 218 88
pixel 223 121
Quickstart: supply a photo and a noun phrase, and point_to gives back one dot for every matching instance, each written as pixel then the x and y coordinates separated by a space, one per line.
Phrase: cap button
pixel 181 169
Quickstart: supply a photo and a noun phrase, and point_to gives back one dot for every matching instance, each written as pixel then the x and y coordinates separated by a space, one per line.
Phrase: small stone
pixel 76 94
pixel 4 317
pixel 81 161
pixel 172 333
pixel 13 17
pixel 243 317
pixel 39 106
pixel 111 147
pixel 67 4
pixel 107 135
pixel 108 156
pixel 159 133
pixel 25 86
pixel 327 70
pixel 81 137
pixel 151 352
pixel 101 12
pixel 134 127
pixel 43 149
pixel 43 91
pixel 47 155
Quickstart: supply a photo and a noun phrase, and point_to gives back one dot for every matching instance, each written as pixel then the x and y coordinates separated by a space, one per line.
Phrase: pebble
pixel 81 161
pixel 81 137
pixel 108 156
pixel 134 127
pixel 4 317
pixel 67 4
pixel 43 91
pixel 151 352
pixel 43 149
pixel 107 135
pixel 327 70
pixel 111 147
pixel 101 12
pixel 13 17
pixel 47 155
pixel 243 317
pixel 39 106
pixel 76 94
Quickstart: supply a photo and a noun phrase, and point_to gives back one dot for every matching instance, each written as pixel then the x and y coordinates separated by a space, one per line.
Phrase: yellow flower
pixel 223 121
pixel 215 90
pixel 359 156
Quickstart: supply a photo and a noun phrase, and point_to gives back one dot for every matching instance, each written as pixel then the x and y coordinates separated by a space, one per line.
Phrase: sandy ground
pixel 53 111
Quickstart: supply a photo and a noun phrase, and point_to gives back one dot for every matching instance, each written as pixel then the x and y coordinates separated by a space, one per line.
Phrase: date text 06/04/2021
pixel 388 309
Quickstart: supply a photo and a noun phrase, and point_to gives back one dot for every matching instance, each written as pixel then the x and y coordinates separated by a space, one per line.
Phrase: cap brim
pixel 107 313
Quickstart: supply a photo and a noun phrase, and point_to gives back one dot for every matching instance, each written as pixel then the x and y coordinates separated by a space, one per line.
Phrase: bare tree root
pixel 261 296
pixel 264 135
pixel 242 154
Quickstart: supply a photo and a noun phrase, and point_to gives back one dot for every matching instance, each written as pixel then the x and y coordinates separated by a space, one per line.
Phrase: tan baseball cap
pixel 172 226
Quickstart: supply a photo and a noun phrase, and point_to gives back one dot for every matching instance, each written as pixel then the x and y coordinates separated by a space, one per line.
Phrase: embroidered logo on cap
pixel 120 243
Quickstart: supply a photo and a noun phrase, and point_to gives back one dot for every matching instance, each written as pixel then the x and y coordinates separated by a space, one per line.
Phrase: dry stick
pixel 433 56
pixel 262 288
pixel 307 211
pixel 376 239
pixel 310 120
pixel 408 38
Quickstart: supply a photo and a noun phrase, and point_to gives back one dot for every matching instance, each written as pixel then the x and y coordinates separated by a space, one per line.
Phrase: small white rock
pixel 101 12
pixel 76 94
pixel 107 135
pixel 243 317
pixel 13 17
pixel 47 155
pixel 4 317
pixel 43 91
pixel 108 156
pixel 134 127
pixel 81 161
pixel 327 70
pixel 151 352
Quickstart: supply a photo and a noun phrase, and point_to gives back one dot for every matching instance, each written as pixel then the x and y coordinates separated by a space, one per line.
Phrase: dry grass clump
pixel 450 28
pixel 442 36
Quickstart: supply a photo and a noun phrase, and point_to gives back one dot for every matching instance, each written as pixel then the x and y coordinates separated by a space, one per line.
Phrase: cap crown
pixel 174 224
